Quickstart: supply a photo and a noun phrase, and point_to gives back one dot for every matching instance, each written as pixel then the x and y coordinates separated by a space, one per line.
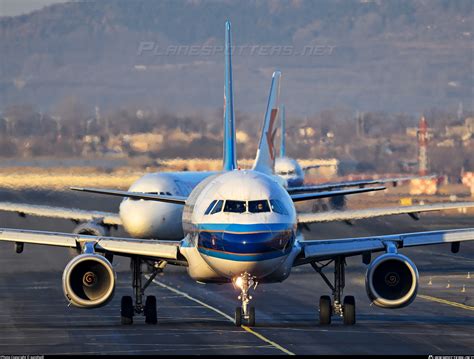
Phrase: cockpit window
pixel 218 207
pixel 235 206
pixel 210 206
pixel 278 207
pixel 259 206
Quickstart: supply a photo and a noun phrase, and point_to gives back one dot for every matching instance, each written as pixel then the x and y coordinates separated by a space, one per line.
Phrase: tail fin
pixel 230 156
pixel 283 132
pixel 265 160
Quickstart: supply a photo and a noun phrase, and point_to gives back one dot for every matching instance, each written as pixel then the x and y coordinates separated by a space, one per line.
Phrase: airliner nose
pixel 233 249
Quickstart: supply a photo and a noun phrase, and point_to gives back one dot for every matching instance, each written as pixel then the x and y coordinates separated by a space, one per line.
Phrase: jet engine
pixel 92 228
pixel 392 281
pixel 89 281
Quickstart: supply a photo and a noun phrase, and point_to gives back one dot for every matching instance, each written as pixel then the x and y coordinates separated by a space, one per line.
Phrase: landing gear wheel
pixel 150 310
pixel 325 310
pixel 238 316
pixel 126 310
pixel 251 320
pixel 349 310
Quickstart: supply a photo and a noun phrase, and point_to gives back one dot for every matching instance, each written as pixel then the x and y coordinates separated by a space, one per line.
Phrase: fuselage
pixel 290 170
pixel 159 220
pixel 237 222
pixel 151 219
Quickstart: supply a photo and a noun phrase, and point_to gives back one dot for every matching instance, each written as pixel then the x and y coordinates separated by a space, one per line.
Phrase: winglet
pixel 229 155
pixel 283 132
pixel 265 160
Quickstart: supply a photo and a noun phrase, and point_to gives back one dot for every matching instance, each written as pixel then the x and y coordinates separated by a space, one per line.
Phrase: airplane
pixel 286 167
pixel 241 227
pixel 151 219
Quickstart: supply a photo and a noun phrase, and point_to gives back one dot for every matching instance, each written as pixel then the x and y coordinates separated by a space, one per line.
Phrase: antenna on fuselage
pixel 229 155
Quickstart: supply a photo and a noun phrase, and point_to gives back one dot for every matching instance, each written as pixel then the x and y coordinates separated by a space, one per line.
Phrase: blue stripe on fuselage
pixel 255 257
pixel 244 228
pixel 246 242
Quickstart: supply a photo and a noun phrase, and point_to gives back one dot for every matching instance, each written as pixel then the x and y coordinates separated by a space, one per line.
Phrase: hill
pixel 400 56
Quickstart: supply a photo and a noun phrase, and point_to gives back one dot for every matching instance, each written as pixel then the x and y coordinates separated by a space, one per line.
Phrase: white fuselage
pixel 290 170
pixel 159 220
pixel 152 219
pixel 239 235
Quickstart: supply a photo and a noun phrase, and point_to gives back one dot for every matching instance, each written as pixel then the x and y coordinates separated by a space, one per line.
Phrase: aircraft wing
pixel 316 250
pixel 75 214
pixel 134 195
pixel 359 183
pixel 121 246
pixel 315 195
pixel 349 215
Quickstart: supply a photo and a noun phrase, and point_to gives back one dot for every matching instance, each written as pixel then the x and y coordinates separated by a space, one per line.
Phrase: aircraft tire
pixel 251 321
pixel 150 310
pixel 126 310
pixel 349 310
pixel 238 316
pixel 325 310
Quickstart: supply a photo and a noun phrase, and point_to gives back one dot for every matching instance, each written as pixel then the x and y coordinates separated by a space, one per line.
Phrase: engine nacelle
pixel 392 281
pixel 92 228
pixel 89 281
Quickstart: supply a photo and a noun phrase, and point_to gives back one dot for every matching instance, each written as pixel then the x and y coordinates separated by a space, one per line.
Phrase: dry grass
pixel 61 179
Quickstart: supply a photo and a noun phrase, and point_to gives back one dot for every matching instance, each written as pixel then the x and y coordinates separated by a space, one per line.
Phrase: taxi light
pixel 239 282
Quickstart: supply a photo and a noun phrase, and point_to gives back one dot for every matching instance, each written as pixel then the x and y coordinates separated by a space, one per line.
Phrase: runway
pixel 197 319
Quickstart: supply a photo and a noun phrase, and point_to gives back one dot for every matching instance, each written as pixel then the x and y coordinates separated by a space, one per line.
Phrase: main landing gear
pixel 245 313
pixel 128 310
pixel 345 309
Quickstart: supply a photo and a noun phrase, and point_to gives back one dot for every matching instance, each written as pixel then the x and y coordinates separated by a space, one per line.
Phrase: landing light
pixel 238 282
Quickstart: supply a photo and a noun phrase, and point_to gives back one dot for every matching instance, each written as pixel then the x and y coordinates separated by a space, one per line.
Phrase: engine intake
pixel 92 228
pixel 89 281
pixel 392 281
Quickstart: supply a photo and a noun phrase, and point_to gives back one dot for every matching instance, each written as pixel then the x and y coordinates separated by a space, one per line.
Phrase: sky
pixel 19 7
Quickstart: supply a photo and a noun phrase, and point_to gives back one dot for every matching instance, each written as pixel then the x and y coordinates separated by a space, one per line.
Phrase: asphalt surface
pixel 196 319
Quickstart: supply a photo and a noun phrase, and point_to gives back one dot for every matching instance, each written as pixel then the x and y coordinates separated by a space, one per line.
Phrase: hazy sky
pixel 18 7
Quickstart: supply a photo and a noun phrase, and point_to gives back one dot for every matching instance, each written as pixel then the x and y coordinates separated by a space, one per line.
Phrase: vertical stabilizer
pixel 283 132
pixel 229 156
pixel 265 160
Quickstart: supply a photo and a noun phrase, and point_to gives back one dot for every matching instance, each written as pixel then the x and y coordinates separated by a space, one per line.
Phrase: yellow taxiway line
pixel 228 317
pixel 447 302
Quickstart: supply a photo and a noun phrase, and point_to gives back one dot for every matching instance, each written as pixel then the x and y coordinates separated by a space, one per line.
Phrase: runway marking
pixel 444 301
pixel 228 317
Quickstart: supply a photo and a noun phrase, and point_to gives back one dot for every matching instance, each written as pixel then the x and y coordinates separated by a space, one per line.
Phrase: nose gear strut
pixel 245 313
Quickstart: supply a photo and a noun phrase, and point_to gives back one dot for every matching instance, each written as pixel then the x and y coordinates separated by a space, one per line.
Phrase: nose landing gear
pixel 245 312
